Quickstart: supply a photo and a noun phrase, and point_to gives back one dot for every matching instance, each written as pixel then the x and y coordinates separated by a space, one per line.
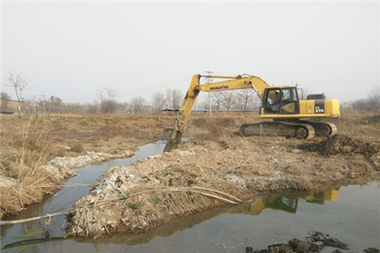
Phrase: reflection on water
pixel 286 203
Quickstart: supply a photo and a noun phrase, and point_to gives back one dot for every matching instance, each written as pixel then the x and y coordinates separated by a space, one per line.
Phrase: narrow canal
pixel 349 213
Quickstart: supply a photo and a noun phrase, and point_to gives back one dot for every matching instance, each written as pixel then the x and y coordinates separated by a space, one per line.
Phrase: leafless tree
pixel 371 103
pixel 255 102
pixel 108 106
pixel 76 108
pixel 217 99
pixel 57 102
pixel 124 108
pixel 158 101
pixel 138 104
pixel 303 92
pixel 244 98
pixel 107 97
pixel 19 84
pixel 373 98
pixel 229 99
pixel 4 101
pixel 204 103
pixel 93 108
pixel 174 98
pixel 107 94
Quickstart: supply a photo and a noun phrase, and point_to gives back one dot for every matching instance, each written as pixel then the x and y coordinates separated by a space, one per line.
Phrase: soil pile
pixel 315 243
pixel 342 144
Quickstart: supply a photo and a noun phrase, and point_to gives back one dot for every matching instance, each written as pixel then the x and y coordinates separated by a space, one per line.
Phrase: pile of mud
pixel 342 144
pixel 313 244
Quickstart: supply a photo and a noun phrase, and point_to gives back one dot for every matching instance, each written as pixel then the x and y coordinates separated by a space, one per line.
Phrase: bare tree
pixel 255 102
pixel 124 108
pixel 204 103
pixel 158 101
pixel 177 98
pixel 19 84
pixel 303 92
pixel 107 97
pixel 374 99
pixel 174 98
pixel 76 108
pixel 56 102
pixel 93 108
pixel 108 106
pixel 244 98
pixel 217 98
pixel 229 99
pixel 4 101
pixel 138 104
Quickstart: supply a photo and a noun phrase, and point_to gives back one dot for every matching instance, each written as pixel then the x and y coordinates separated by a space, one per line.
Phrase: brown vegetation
pixel 24 173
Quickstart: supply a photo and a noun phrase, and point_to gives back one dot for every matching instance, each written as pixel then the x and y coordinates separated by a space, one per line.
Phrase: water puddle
pixel 349 213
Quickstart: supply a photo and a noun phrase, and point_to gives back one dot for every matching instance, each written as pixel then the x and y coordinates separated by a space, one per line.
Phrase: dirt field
pixel 212 169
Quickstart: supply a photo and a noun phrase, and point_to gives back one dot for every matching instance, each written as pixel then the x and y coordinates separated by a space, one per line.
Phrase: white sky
pixel 71 49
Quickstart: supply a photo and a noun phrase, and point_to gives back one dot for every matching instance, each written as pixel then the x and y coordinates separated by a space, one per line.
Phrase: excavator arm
pixel 173 135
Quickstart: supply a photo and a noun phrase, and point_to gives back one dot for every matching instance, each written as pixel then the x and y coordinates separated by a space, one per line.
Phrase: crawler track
pixel 300 129
pixel 322 128
pixel 287 129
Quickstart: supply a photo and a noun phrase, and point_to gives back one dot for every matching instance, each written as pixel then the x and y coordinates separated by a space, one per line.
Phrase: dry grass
pixel 359 125
pixel 33 181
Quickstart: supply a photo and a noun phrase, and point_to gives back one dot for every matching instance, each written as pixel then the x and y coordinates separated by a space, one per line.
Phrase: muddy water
pixel 349 213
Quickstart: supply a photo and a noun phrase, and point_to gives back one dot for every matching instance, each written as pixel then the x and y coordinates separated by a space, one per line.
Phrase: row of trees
pixel 371 103
pixel 243 100
pixel 106 103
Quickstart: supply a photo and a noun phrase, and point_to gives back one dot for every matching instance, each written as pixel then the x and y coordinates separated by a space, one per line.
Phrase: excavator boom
pixel 173 135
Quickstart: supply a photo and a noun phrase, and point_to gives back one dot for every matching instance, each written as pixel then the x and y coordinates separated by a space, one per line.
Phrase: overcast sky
pixel 71 49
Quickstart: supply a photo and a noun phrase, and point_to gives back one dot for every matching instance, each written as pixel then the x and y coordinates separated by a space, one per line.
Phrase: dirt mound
pixel 342 144
pixel 315 243
pixel 149 193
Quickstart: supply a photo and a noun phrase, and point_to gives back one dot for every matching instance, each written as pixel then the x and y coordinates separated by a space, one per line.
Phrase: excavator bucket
pixel 167 134
pixel 173 137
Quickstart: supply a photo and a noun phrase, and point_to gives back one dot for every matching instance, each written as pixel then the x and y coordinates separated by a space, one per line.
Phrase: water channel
pixel 349 213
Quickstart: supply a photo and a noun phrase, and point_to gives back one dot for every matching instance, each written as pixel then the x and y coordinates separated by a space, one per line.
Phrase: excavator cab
pixel 281 100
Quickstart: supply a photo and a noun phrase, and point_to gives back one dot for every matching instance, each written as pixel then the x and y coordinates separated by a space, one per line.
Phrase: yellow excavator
pixel 291 116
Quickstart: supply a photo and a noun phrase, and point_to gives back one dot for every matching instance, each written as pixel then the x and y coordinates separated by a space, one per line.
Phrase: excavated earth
pixel 209 172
